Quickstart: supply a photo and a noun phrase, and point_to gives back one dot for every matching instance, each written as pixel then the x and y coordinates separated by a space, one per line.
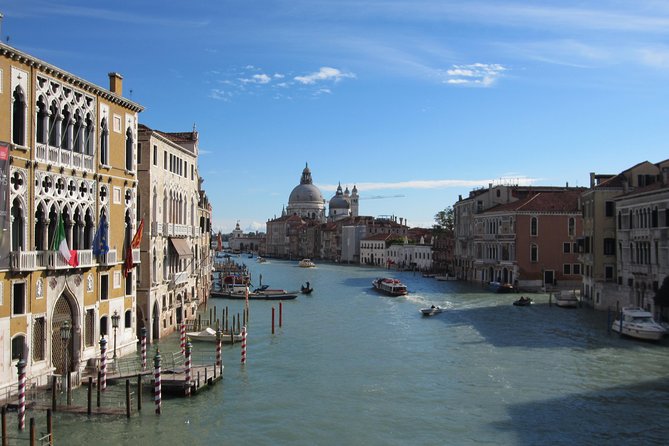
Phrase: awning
pixel 180 245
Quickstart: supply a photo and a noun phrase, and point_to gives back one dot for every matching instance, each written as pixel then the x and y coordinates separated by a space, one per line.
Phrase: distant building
pixel 240 242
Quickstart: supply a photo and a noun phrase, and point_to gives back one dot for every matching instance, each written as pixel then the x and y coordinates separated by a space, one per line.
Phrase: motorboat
pixel 567 299
pixel 638 323
pixel 262 293
pixel 390 286
pixel 432 310
pixel 306 263
pixel 209 335
pixel 499 287
pixel 523 302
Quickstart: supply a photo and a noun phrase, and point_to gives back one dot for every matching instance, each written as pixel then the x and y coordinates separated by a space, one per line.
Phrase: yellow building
pixel 68 153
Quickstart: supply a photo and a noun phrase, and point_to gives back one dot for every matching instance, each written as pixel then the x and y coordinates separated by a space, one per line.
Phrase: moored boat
pixel 499 287
pixel 390 286
pixel 306 263
pixel 209 335
pixel 523 301
pixel 567 299
pixel 638 323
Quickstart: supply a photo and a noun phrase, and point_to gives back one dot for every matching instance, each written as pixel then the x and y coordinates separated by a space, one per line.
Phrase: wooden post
pixel 5 441
pixel 227 315
pixel 139 392
pixel 280 313
pixel 156 375
pixel 90 395
pixel 32 431
pixel 49 426
pixel 272 320
pixel 54 380
pixel 239 324
pixel 99 387
pixel 127 398
pixel 68 378
pixel 21 366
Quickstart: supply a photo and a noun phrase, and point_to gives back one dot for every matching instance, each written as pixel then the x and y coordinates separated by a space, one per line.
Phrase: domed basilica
pixel 306 201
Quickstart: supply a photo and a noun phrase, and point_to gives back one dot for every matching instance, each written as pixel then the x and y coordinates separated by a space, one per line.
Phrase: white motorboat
pixel 429 311
pixel 638 323
pixel 306 263
pixel 567 299
pixel 209 335
pixel 389 286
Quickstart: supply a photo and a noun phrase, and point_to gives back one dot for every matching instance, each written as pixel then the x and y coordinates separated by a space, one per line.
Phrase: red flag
pixel 137 239
pixel 128 264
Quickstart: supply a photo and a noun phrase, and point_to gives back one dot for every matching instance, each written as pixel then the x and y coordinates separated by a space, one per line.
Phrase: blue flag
pixel 100 245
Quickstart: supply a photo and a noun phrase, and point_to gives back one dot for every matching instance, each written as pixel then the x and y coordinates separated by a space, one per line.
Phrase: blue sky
pixel 414 101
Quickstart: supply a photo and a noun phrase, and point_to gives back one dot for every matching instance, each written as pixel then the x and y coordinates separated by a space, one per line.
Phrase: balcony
pixel 23 260
pixel 156 229
pixel 181 277
pixel 63 158
pixel 56 261
pixel 86 258
pixel 109 259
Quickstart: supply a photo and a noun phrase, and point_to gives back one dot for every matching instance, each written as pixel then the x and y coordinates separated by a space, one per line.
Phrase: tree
pixel 444 220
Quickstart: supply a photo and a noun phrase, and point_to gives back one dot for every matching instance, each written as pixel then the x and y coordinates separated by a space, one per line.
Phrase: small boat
pixel 306 290
pixel 306 263
pixel 261 259
pixel 445 278
pixel 566 299
pixel 523 301
pixel 209 335
pixel 389 286
pixel 429 311
pixel 499 287
pixel 262 293
pixel 429 275
pixel 638 323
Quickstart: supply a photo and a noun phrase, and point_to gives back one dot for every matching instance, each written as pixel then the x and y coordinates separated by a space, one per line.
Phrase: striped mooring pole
pixel 21 366
pixel 219 358
pixel 156 386
pixel 183 337
pixel 244 344
pixel 103 364
pixel 142 334
pixel 189 348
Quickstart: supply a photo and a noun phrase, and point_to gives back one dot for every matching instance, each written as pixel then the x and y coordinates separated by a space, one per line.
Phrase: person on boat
pixel 433 307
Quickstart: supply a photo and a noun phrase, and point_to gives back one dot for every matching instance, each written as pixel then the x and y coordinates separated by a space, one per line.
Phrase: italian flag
pixel 60 244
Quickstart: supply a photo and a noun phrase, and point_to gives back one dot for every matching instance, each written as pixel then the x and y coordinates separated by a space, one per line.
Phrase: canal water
pixel 350 366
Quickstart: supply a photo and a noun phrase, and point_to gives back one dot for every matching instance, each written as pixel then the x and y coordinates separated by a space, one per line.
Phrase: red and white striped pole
pixel 103 364
pixel 183 337
pixel 219 358
pixel 244 344
pixel 189 347
pixel 156 376
pixel 21 366
pixel 142 335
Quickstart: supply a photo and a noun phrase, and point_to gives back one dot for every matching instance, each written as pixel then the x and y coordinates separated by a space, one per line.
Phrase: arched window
pixel 53 124
pixel 534 253
pixel 65 126
pixel 104 142
pixel 18 239
pixel 534 229
pixel 571 230
pixel 89 131
pixel 78 136
pixel 104 326
pixel 129 154
pixel 127 322
pixel 18 347
pixel 42 121
pixel 19 117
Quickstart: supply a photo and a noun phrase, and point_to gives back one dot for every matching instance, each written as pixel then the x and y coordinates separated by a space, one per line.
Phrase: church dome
pixel 305 192
pixel 338 201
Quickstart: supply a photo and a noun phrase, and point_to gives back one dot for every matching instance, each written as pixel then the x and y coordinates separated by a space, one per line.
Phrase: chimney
pixel 116 83
pixel 592 180
pixel 665 175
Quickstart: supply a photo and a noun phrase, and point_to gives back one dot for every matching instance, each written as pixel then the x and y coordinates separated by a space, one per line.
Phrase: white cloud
pixel 324 74
pixel 474 74
pixel 436 184
pixel 656 57
pixel 220 95
pixel 262 78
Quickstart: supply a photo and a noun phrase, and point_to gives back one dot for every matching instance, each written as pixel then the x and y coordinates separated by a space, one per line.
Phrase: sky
pixel 415 102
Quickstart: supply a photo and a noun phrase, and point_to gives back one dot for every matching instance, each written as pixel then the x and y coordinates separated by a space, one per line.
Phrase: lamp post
pixel 115 318
pixel 65 330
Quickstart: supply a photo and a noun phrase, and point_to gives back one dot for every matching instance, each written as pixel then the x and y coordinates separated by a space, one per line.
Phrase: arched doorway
pixel 155 322
pixel 505 276
pixel 62 312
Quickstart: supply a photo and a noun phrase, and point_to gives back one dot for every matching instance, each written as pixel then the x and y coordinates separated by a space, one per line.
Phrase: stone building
pixel 173 254
pixel 69 163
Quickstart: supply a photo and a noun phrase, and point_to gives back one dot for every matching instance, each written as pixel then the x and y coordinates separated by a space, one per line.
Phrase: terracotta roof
pixel 642 190
pixel 377 237
pixel 172 136
pixel 562 201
